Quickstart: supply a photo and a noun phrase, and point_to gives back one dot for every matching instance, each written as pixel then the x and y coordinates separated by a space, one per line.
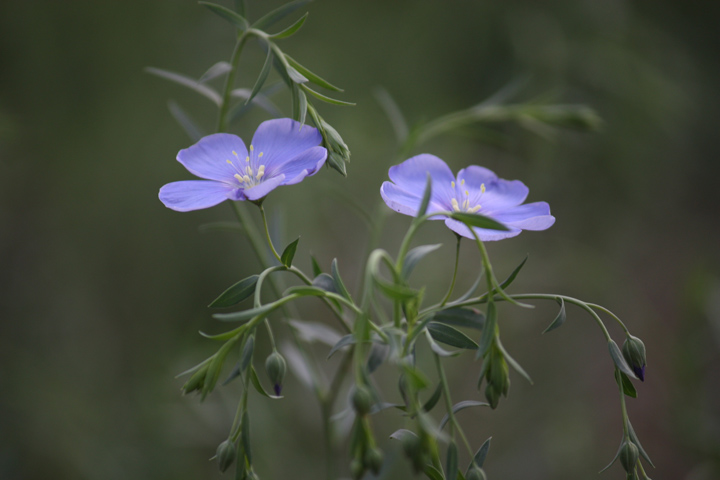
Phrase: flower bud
pixel 196 382
pixel 634 352
pixel 357 469
pixel 475 473
pixel 225 455
pixel 629 456
pixel 276 367
pixel 499 374
pixel 492 395
pixel 362 400
pixel 374 460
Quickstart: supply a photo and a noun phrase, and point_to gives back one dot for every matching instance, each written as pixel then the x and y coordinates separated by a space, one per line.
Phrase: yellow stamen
pixel 474 209
pixel 234 153
pixel 452 184
pixel 229 162
pixel 239 177
pixel 260 155
pixel 248 170
pixel 247 159
pixel 252 148
pixel 482 188
pixel 246 179
pixel 467 194
pixel 462 182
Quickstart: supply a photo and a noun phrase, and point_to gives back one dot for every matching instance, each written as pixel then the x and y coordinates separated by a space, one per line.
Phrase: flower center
pixel 462 202
pixel 247 177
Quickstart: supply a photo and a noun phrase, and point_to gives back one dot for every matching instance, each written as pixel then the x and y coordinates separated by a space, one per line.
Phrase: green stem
pixel 267 234
pixel 454 425
pixel 270 335
pixel 615 317
pixel 230 82
pixel 626 430
pixel 455 270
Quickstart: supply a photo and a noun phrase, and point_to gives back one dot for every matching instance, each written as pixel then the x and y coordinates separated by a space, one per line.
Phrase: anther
pixel 239 177
pixel 452 184
pixel 482 188
pixel 247 159
pixel 455 205
pixel 246 179
pixel 260 155
pixel 252 148
pixel 249 170
pixel 462 182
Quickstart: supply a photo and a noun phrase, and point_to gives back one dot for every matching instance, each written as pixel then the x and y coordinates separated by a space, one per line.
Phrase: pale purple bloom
pixel 475 190
pixel 281 153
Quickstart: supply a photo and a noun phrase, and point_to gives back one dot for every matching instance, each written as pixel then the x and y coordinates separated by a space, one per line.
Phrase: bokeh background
pixel 104 289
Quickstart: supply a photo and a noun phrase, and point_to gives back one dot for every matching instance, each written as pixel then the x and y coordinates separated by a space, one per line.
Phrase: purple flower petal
pixel 196 194
pixel 499 194
pixel 486 235
pixel 280 140
pixel 531 216
pixel 411 176
pixel 259 191
pixel 304 165
pixel 208 157
pixel 405 202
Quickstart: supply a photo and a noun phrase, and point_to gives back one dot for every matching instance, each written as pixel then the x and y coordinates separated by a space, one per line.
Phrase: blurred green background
pixel 104 289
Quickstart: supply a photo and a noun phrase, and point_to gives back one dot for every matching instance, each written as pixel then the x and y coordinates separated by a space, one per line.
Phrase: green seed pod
pixel 629 456
pixel 275 366
pixel 374 460
pixel 634 352
pixel 225 455
pixel 475 473
pixel 362 400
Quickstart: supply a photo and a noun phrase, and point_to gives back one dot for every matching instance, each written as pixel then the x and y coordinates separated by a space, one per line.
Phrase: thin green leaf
pixel 627 386
pixel 613 460
pixel 325 98
pixel 246 314
pixel 451 336
pixel 236 293
pixel 261 100
pixel 302 106
pixel 215 367
pixel 348 339
pixel 636 441
pixel 339 285
pixel 245 436
pixel 247 353
pixel 315 266
pixel 278 14
pixel 478 221
pixel 560 319
pixel 220 68
pixel 462 406
pixel 264 72
pixel 295 92
pixel 393 113
pixel 224 336
pixel 305 291
pixel 312 77
pixel 451 465
pixel 415 255
pixel 461 317
pixel 186 123
pixel 479 458
pixel 378 354
pixel 292 29
pixel 232 17
pixel 427 193
pixel 513 363
pixel 472 289
pixel 514 274
pixel 432 473
pixel 396 291
pixel 619 360
pixel 289 253
pixel 488 333
pixel 402 433
pixel 433 400
pixel 188 82
pixel 258 386
pixel 315 332
pixel 437 348
pixel 195 368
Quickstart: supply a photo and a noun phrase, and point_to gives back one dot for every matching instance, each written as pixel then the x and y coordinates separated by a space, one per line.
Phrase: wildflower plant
pixel 475 205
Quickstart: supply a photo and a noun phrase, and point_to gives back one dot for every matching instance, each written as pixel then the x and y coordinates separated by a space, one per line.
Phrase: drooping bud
pixel 362 400
pixel 413 448
pixel 275 366
pixel 499 374
pixel 475 473
pixel 374 460
pixel 225 455
pixel 357 469
pixel 492 395
pixel 196 381
pixel 634 352
pixel 629 456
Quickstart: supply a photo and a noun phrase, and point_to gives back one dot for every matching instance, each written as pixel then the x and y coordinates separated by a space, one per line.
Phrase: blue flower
pixel 475 190
pixel 281 153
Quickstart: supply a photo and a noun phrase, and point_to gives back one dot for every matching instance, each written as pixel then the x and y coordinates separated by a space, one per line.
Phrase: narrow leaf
pixel 488 333
pixel 289 253
pixel 302 106
pixel 326 99
pixel 461 317
pixel 348 339
pixel 618 359
pixel 292 29
pixel 560 319
pixel 478 221
pixel 278 14
pixel 396 291
pixel 195 368
pixel 258 386
pixel 482 452
pixel 451 465
pixel 438 349
pixel 184 120
pixel 402 433
pixel 315 332
pixel 236 293
pixel 513 275
pixel 432 473
pixel 613 460
pixel 246 314
pixel 378 354
pixel 245 436
pixel 264 72
pixel 317 80
pixel 232 17
pixel 339 285
pixel 636 441
pixel 188 82
pixel 247 353
pixel 513 363
pixel 472 289
pixel 462 406
pixel 451 336
pixel 627 386
pixel 261 100
pixel 220 68
pixel 433 400
pixel 315 266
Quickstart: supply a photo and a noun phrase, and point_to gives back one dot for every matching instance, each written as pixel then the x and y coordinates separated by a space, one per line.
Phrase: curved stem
pixel 267 234
pixel 455 270
pixel 617 319
pixel 230 82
